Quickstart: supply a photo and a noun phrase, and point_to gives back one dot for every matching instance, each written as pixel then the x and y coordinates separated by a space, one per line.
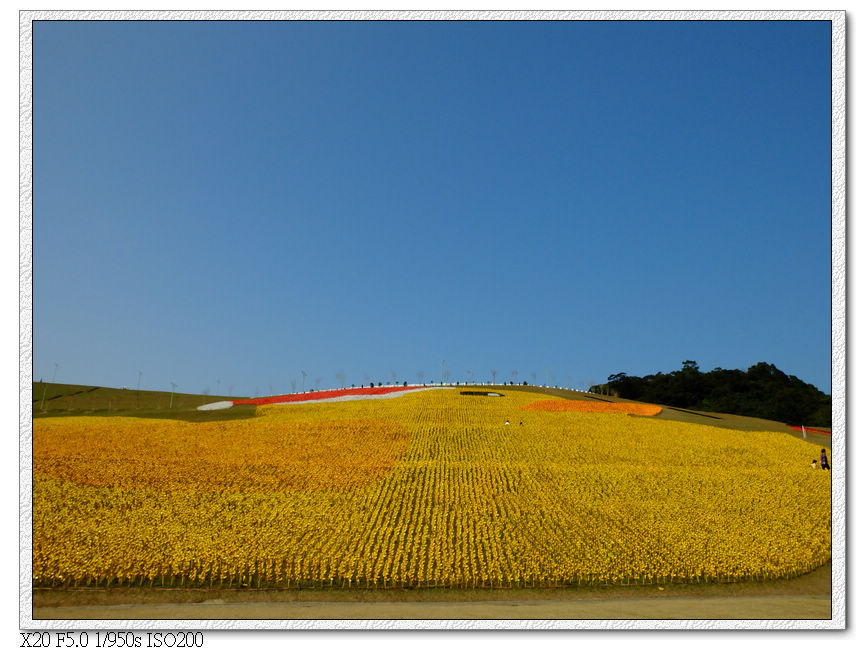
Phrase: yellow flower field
pixel 427 489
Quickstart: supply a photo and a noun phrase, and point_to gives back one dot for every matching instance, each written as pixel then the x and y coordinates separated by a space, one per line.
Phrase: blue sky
pixel 236 202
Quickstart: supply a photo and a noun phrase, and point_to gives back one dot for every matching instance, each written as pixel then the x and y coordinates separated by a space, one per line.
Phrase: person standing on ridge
pixel 824 462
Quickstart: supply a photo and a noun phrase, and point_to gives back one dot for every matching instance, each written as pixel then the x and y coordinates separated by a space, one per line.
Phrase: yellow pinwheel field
pixel 428 489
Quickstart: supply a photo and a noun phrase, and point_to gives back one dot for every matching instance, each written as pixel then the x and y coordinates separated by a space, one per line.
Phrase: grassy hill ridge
pixel 58 400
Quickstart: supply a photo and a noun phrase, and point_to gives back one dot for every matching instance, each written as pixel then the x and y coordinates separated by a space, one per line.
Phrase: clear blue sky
pixel 241 201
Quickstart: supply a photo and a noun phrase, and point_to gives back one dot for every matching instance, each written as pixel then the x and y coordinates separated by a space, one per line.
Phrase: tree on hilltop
pixel 763 391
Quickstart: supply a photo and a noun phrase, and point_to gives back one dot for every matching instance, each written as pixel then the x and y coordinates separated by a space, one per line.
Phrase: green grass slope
pixel 57 400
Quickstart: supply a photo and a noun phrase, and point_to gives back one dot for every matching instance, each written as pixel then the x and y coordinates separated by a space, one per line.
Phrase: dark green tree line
pixel 762 391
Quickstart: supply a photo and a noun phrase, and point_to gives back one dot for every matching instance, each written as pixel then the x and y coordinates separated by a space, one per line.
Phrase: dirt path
pixel 747 607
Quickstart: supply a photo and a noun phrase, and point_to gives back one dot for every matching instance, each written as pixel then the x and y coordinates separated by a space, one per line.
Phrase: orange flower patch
pixel 585 406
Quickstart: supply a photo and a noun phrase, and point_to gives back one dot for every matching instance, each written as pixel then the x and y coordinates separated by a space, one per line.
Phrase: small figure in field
pixel 814 464
pixel 507 421
pixel 824 462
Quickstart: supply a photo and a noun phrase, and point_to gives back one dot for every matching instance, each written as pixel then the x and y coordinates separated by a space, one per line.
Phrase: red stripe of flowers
pixel 324 394
pixel 812 430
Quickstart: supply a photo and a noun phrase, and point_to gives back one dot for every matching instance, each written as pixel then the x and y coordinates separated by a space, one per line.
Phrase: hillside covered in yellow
pixel 428 489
